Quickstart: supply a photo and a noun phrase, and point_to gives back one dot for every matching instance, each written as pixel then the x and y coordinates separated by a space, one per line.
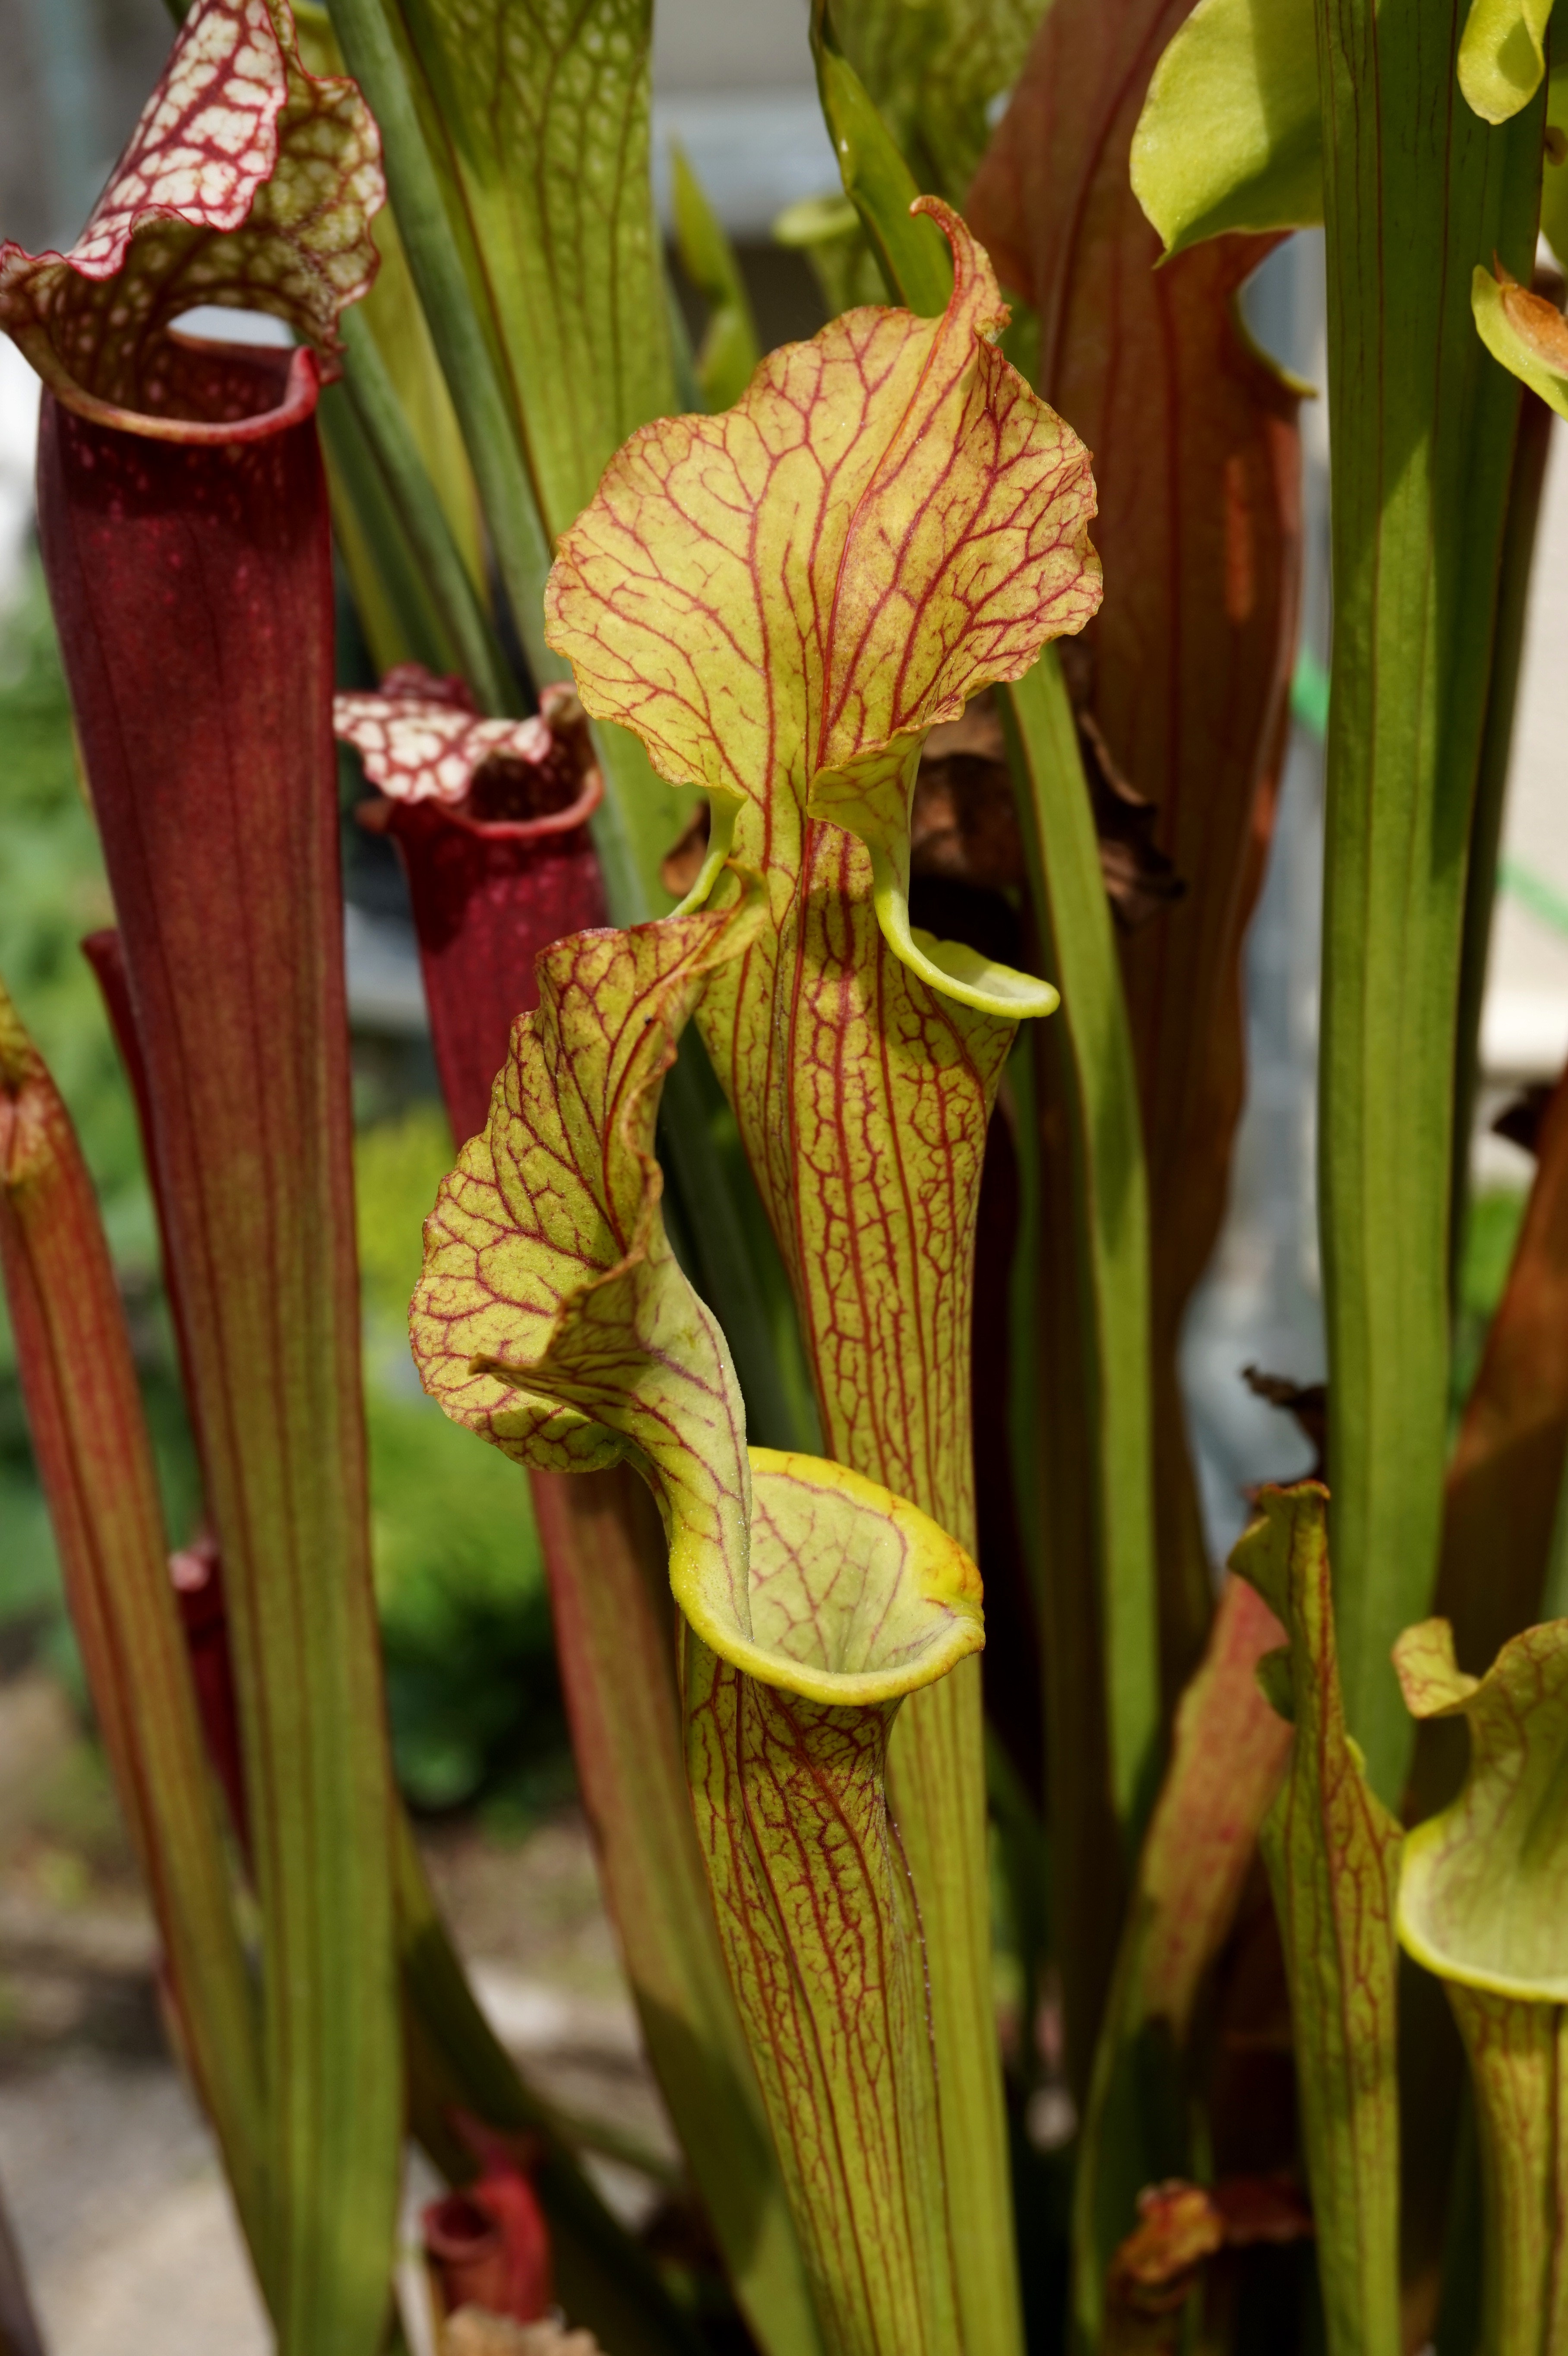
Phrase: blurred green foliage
pixel 474 1703
pixel 465 1614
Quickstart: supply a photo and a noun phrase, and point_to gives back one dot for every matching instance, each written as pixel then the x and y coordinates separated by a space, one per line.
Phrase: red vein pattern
pixel 778 601
pixel 1197 462
pixel 887 521
pixel 247 183
pixel 812 1891
pixel 552 1318
pixel 552 1315
pixel 489 892
pixel 819 1919
pixel 421 739
pixel 1519 2067
pixel 1333 1857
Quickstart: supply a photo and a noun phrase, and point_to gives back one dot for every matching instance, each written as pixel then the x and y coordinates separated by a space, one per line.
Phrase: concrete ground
pixel 119 2209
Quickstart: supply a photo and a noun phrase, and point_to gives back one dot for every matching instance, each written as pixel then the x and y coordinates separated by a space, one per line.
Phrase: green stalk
pixel 1525 484
pixel 614 1622
pixel 1418 191
pixel 911 252
pixel 469 358
pixel 90 1438
pixel 731 348
pixel 1519 2067
pixel 400 619
pixel 369 384
pixel 524 467
pixel 1333 1855
pixel 1111 1217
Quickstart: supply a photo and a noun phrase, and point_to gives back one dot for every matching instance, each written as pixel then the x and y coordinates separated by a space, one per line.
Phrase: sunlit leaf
pixel 812 1887
pixel 862 1091
pixel 606 1551
pixel 1502 55
pixel 1231 134
pixel 926 579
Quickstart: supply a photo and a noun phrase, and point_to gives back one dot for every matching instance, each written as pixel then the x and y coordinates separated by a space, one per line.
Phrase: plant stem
pixel 1418 191
pixel 1109 1218
pixel 369 384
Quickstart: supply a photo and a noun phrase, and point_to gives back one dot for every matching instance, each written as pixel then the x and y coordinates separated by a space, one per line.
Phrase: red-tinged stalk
pixel 184 525
pixel 193 592
pixel 91 1443
pixel 196 1568
pixel 454 2062
pixel 1229 1754
pixel 488 896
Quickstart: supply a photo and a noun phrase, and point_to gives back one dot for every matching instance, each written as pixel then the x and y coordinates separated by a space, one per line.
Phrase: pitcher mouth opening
pixel 256 389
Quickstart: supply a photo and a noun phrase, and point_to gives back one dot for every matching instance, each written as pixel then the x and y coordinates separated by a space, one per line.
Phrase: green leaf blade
pixel 1424 430
pixel 1231 134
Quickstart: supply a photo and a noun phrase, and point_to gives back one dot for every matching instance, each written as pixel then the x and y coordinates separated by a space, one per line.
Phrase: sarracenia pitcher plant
pixel 831 820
